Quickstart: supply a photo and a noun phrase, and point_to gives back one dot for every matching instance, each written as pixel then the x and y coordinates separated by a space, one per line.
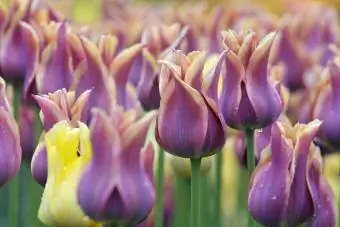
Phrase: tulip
pixel 115 186
pixel 96 78
pixel 109 83
pixel 159 41
pixel 10 152
pixel 55 71
pixel 19 54
pixel 290 53
pixel 324 202
pixel 59 206
pixel 248 99
pixel 327 107
pixel 300 205
pixel 271 181
pixel 189 123
pixel 55 107
pixel 280 187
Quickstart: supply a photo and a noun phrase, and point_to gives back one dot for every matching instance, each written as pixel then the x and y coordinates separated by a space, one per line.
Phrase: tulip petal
pixel 39 164
pixel 56 73
pixel 300 207
pixel 120 69
pixel 230 97
pixel 50 111
pixel 322 195
pixel 263 97
pixel 10 150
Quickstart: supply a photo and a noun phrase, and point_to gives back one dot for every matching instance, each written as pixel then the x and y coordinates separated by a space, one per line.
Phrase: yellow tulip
pixel 59 206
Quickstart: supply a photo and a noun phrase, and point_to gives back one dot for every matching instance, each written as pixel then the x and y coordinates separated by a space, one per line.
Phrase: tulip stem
pixel 14 185
pixel 195 191
pixel 182 202
pixel 218 189
pixel 160 189
pixel 250 164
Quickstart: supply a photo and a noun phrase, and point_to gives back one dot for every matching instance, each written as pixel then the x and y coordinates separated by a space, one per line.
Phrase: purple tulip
pixel 159 40
pixel 189 123
pixel 19 55
pixel 10 150
pixel 280 190
pixel 55 71
pixel 322 195
pixel 290 53
pixel 271 181
pixel 327 107
pixel 300 205
pixel 55 107
pixel 248 99
pixel 115 186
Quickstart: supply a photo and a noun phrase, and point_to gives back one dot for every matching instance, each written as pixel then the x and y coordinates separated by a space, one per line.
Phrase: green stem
pixel 250 165
pixel 218 179
pixel 182 202
pixel 13 205
pixel 160 189
pixel 195 191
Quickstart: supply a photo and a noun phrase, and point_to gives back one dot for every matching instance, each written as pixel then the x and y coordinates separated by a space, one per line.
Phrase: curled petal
pixel 51 113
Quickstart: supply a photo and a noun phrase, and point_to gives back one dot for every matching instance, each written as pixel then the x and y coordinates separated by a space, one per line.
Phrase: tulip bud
pixel 189 123
pixel 159 41
pixel 19 55
pixel 271 181
pixel 327 107
pixel 10 151
pixel 248 99
pixel 115 186
pixel 119 69
pixel 300 204
pixel 279 190
pixel 97 79
pixel 289 52
pixel 55 70
pixel 324 201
